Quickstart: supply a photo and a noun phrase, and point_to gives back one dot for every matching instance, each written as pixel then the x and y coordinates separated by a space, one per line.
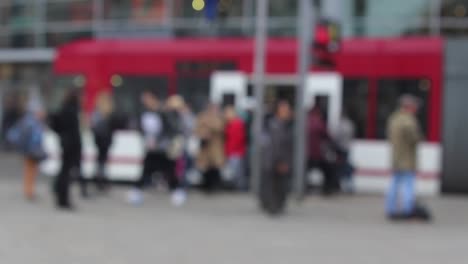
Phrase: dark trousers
pixel 158 162
pixel 211 179
pixel 273 191
pixel 63 179
pixel 101 177
pixel 330 181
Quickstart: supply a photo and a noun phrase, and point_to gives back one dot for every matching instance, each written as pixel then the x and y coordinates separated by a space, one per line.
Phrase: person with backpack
pixel 26 136
pixel 103 127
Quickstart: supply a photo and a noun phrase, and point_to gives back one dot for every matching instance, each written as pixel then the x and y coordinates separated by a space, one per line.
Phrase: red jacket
pixel 235 143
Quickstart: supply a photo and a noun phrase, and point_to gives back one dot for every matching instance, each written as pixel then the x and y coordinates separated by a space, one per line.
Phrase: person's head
pixel 283 110
pixel 212 108
pixel 104 103
pixel 176 103
pixel 230 112
pixel 72 99
pixel 409 104
pixel 150 101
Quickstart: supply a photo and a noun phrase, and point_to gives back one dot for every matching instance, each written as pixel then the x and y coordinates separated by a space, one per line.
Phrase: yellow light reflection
pixel 198 5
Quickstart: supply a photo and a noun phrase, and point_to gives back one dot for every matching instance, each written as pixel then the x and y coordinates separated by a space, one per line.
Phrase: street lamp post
pixel 259 79
pixel 305 28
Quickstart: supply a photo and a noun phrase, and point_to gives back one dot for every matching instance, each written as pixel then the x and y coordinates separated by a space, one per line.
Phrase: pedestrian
pixel 66 123
pixel 404 134
pixel 151 126
pixel 175 128
pixel 27 135
pixel 209 129
pixel 161 133
pixel 103 127
pixel 235 147
pixel 188 123
pixel 344 135
pixel 321 151
pixel 277 153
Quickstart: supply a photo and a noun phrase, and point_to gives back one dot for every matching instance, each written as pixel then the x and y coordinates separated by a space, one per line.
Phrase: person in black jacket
pixel 66 124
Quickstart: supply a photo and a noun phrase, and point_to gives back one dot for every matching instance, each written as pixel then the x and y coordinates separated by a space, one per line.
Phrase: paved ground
pixel 221 229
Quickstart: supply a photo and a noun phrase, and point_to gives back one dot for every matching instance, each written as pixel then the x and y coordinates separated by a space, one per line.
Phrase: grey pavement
pixel 220 229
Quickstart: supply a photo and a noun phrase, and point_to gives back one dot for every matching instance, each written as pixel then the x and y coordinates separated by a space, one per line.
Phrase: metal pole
pixel 304 30
pixel 259 79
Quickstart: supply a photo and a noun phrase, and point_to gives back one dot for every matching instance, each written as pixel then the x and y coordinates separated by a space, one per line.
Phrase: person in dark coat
pixel 277 153
pixel 321 150
pixel 67 125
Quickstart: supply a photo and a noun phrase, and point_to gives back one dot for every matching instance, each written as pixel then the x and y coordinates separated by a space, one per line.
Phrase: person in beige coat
pixel 404 134
pixel 209 129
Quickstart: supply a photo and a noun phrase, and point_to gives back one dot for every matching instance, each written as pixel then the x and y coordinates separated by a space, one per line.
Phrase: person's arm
pixel 413 132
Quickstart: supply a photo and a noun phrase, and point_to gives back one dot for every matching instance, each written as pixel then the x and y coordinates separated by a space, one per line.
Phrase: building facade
pixel 30 30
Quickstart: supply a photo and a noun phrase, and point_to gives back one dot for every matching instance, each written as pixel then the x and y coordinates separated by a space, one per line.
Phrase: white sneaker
pixel 135 197
pixel 178 198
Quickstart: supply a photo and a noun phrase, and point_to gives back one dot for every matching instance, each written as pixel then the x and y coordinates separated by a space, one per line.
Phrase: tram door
pixel 325 90
pixel 229 88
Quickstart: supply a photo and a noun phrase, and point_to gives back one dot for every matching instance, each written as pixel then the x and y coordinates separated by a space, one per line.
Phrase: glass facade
pixel 48 23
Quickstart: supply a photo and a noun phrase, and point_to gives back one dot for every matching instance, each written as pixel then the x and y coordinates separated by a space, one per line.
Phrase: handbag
pixel 175 149
pixel 37 154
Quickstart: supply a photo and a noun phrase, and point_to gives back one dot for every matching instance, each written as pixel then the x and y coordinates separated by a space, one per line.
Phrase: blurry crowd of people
pixel 215 146
pixel 177 143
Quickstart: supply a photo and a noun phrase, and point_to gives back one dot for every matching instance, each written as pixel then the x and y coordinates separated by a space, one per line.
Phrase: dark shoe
pixel 66 207
pixel 421 213
pixel 397 217
pixel 84 193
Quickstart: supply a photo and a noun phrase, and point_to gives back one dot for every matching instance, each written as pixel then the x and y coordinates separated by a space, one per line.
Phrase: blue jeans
pixel 236 166
pixel 401 195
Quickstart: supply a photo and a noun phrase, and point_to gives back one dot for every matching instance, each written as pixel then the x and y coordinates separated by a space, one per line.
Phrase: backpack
pixel 18 134
pixel 25 137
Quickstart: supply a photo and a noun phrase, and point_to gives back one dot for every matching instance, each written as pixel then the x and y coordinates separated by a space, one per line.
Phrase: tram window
pixel 203 67
pixel 250 90
pixel 229 99
pixel 354 104
pixel 128 89
pixel 389 92
pixel 195 91
pixel 322 102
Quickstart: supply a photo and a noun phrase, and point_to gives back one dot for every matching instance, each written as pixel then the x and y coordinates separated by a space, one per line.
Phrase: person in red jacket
pixel 235 147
